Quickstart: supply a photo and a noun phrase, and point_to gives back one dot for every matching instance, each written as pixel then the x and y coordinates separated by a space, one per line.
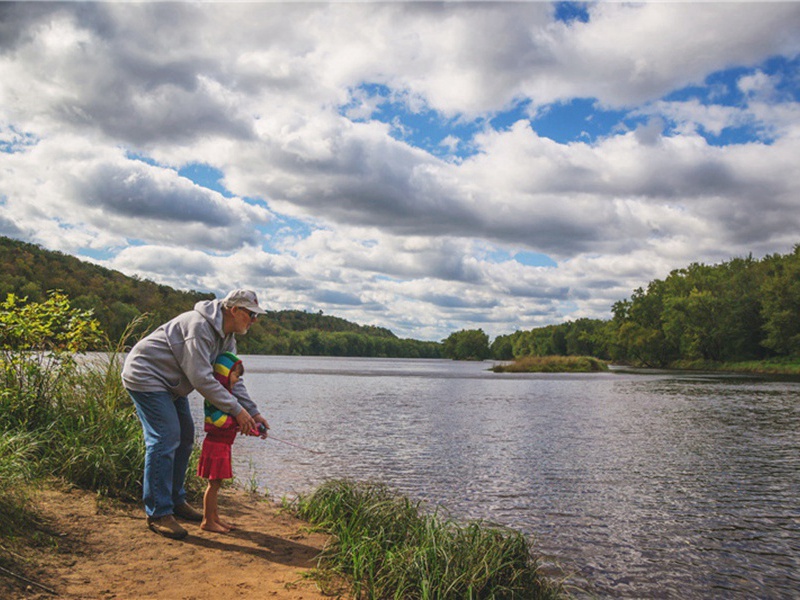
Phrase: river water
pixel 638 485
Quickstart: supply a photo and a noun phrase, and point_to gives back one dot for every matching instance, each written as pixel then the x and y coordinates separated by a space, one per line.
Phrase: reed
pixel 773 366
pixel 97 443
pixel 386 546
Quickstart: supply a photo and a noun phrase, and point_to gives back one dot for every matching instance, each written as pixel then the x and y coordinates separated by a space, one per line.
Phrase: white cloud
pixel 87 187
pixel 632 53
pixel 187 268
pixel 759 84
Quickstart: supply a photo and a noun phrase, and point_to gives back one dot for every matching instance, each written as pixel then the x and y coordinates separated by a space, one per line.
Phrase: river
pixel 636 484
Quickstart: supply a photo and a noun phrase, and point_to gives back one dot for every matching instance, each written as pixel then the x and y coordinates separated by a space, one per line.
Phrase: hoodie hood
pixel 212 312
pixel 225 363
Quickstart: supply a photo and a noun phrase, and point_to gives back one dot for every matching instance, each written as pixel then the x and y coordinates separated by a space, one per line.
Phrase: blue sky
pixel 419 166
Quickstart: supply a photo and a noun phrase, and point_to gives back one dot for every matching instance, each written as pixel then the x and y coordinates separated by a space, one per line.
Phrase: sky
pixel 425 167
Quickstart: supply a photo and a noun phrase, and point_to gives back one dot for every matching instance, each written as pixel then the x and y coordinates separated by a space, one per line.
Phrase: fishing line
pixel 272 437
pixel 263 429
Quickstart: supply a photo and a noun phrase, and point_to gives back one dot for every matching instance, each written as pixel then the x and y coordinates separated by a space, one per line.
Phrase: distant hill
pixel 117 299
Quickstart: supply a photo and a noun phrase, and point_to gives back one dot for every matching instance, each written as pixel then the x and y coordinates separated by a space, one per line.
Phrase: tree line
pixel 740 310
pixel 117 300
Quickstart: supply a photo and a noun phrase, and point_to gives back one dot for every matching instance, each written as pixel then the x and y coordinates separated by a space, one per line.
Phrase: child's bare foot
pixel 230 526
pixel 214 526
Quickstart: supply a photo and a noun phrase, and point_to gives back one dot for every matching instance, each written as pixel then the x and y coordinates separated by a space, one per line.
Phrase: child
pixel 215 457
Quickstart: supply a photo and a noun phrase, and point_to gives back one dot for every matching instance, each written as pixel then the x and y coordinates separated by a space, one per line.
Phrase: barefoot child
pixel 215 458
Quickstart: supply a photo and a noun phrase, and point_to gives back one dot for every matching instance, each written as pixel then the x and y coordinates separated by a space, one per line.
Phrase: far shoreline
pixel 590 364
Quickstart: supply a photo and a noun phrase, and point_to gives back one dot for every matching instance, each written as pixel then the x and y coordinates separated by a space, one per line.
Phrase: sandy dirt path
pixel 106 552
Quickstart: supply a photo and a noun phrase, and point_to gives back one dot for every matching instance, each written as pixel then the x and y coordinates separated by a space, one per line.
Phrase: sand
pixel 105 552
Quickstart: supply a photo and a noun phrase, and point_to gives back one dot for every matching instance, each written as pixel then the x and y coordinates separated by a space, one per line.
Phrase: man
pixel 159 373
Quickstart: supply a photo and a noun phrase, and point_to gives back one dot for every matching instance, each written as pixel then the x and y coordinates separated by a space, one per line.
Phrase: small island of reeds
pixel 553 364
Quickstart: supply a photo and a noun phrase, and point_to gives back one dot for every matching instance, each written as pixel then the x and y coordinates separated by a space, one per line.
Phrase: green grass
pixel 17 451
pixel 86 429
pixel 387 547
pixel 553 364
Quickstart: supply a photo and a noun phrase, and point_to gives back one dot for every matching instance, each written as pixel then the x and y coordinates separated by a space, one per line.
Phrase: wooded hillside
pixel 116 299
pixel 740 310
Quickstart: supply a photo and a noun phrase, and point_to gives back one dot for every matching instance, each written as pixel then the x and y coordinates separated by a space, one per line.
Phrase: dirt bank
pixel 105 552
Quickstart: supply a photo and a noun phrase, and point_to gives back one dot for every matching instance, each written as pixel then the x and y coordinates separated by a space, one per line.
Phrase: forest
pixel 743 309
pixel 117 300
pixel 740 310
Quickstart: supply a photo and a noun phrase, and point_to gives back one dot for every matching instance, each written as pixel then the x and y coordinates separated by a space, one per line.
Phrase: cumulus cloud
pixel 631 53
pixel 74 182
pixel 188 268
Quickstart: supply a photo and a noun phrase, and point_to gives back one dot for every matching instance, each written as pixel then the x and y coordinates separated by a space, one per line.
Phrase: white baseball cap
pixel 243 298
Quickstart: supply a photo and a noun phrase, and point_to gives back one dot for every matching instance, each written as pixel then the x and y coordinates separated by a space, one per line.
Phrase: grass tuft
pixel 388 548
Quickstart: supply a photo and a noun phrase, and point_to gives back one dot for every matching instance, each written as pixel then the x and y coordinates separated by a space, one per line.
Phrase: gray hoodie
pixel 178 357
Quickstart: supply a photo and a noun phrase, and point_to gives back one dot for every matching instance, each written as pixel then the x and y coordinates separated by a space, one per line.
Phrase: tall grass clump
pixel 98 443
pixel 387 547
pixel 17 451
pixel 553 364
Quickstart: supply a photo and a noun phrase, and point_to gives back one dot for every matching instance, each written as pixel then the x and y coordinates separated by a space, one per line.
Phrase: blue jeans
pixel 169 439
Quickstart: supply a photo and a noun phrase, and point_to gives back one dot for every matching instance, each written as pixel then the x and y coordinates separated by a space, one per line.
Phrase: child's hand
pixel 263 426
pixel 259 430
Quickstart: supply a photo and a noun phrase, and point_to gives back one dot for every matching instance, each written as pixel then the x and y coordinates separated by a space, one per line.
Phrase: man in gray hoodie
pixel 159 373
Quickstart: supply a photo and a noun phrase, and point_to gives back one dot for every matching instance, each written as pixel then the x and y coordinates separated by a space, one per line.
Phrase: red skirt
pixel 215 457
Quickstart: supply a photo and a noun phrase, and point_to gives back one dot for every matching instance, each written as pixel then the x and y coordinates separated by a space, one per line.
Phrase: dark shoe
pixel 185 511
pixel 167 526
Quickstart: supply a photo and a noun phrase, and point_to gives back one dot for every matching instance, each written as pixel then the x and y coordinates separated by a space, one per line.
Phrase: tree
pixel 38 344
pixel 640 336
pixel 781 304
pixel 502 348
pixel 467 344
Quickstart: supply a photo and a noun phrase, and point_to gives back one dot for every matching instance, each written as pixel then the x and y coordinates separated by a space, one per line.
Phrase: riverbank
pixel 89 547
pixel 73 423
pixel 589 364
pixel 350 539
pixel 775 366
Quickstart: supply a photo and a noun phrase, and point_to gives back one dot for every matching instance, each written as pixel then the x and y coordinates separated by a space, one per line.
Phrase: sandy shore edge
pixel 104 551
